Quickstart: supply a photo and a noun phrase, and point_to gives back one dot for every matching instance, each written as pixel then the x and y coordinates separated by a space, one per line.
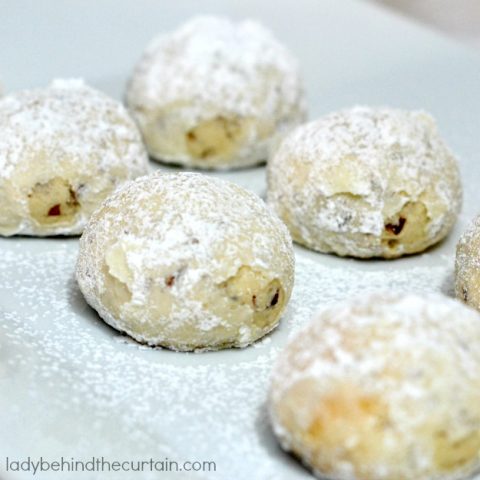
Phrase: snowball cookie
pixel 366 182
pixel 467 268
pixel 384 388
pixel 186 262
pixel 63 149
pixel 213 93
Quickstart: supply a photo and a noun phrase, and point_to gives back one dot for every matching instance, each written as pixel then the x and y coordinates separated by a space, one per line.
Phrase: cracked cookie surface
pixel 366 182
pixel 187 262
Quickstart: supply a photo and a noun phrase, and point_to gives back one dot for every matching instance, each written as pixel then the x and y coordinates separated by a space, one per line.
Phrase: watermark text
pixel 101 464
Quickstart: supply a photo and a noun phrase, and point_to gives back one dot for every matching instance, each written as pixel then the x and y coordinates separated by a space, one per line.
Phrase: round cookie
pixel 63 149
pixel 213 94
pixel 365 183
pixel 186 262
pixel 467 266
pixel 383 388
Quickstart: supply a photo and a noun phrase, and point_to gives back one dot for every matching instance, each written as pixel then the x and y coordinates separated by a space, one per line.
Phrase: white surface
pixel 71 386
pixel 458 18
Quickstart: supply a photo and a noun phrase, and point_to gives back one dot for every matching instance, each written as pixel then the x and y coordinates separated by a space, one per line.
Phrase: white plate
pixel 71 386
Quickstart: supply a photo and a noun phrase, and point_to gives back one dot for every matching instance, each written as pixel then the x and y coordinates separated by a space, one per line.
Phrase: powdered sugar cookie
pixel 213 93
pixel 187 262
pixel 383 388
pixel 467 271
pixel 63 149
pixel 366 183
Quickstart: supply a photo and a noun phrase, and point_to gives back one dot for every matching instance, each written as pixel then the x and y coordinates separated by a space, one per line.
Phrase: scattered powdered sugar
pixel 79 386
pixel 336 176
pixel 342 280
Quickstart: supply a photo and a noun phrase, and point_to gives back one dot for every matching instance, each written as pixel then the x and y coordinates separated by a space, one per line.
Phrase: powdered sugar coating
pixel 69 131
pixel 467 265
pixel 383 387
pixel 171 244
pixel 343 183
pixel 213 68
pixel 59 361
